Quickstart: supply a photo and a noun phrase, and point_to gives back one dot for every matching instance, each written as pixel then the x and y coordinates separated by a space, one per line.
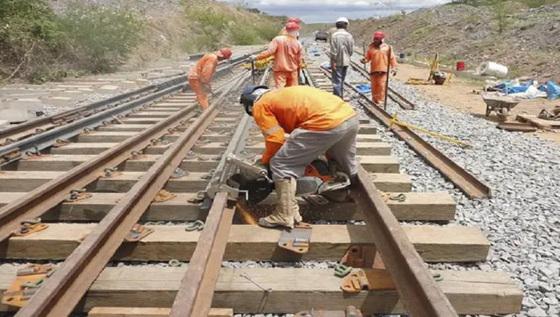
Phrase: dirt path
pixel 459 95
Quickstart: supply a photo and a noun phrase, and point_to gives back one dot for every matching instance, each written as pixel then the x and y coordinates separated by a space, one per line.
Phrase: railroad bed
pixel 198 143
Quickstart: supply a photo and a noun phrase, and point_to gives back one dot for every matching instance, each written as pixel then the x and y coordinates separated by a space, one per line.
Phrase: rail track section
pixel 218 274
pixel 62 291
pixel 35 135
pixel 471 186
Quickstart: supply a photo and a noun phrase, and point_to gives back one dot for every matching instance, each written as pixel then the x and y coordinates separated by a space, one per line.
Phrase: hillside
pixel 525 39
pixel 50 39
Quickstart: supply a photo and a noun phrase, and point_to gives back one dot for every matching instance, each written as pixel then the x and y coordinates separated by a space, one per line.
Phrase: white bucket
pixel 492 69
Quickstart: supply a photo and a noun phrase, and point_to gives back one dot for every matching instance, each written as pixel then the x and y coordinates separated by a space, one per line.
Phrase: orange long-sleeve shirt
pixel 378 56
pixel 287 52
pixel 204 68
pixel 283 110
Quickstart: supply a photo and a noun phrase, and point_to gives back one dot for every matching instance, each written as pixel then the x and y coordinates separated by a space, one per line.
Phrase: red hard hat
pixel 378 35
pixel 293 19
pixel 225 52
pixel 292 27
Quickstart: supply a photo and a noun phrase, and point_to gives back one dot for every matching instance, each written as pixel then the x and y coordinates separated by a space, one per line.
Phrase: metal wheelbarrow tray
pixel 498 103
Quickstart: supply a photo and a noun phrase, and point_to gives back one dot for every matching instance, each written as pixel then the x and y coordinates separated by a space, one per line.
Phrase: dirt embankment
pixel 528 42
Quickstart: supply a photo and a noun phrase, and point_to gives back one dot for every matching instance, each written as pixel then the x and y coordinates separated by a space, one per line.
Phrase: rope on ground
pixel 437 135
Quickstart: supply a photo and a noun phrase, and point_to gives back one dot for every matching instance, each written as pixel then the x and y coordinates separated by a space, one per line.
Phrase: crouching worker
pixel 200 75
pixel 318 123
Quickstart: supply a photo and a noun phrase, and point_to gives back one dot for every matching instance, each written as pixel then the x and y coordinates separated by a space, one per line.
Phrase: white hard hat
pixel 342 19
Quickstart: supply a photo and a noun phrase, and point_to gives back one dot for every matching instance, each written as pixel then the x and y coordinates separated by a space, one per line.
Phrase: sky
pixel 313 11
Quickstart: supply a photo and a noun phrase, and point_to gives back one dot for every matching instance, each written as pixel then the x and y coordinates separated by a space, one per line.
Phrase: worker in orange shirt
pixel 288 54
pixel 381 57
pixel 201 74
pixel 318 122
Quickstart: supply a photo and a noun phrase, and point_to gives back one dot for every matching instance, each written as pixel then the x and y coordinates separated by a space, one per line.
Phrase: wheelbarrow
pixel 502 105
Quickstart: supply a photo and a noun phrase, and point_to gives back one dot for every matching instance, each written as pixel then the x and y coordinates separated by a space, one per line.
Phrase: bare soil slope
pixel 529 42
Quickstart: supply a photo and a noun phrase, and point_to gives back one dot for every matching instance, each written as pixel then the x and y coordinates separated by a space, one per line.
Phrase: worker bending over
pixel 342 48
pixel 378 54
pixel 200 75
pixel 318 122
pixel 288 54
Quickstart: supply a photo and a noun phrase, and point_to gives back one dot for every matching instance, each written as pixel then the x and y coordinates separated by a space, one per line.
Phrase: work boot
pixel 287 209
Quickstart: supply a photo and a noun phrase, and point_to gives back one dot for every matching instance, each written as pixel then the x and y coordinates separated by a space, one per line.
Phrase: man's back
pixel 342 47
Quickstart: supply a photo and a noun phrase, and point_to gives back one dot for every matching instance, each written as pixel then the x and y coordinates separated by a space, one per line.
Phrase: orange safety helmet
pixel 292 27
pixel 378 35
pixel 225 52
pixel 293 19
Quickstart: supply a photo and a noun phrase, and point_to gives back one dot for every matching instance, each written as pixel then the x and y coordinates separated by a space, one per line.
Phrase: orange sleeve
pixel 271 129
pixel 272 47
pixel 208 70
pixel 367 57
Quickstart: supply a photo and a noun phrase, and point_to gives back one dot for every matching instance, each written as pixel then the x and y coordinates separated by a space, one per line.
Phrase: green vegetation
pixel 100 38
pixel 215 26
pixel 29 34
pixel 38 45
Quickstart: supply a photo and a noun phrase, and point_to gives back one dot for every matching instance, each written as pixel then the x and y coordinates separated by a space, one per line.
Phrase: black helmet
pixel 248 97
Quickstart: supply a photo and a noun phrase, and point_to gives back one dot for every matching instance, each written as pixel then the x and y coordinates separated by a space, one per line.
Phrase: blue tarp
pixel 552 89
pixel 507 87
pixel 364 88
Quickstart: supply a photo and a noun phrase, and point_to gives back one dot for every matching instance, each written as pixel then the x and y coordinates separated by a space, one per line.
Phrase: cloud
pixel 328 10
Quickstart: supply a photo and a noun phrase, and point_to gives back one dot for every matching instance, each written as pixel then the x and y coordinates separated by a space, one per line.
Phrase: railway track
pixel 190 158
pixel 33 136
pixel 463 179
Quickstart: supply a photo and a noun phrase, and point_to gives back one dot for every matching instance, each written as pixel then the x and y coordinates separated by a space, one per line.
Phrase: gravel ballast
pixel 521 220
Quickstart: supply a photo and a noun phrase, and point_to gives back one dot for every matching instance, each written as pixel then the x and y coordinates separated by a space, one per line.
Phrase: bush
pixel 29 34
pixel 101 38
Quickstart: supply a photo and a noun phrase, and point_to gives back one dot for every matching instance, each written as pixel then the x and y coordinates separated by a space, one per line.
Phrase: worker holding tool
pixel 288 56
pixel 342 47
pixel 382 61
pixel 318 123
pixel 201 74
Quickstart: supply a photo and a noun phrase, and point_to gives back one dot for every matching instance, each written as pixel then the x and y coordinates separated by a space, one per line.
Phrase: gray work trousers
pixel 304 146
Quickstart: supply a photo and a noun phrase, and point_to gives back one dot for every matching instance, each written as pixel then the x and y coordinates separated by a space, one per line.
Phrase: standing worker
pixel 201 74
pixel 288 56
pixel 378 54
pixel 318 122
pixel 342 48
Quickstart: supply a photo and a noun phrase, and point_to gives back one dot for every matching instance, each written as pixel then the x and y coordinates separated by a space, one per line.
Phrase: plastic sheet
pixel 552 90
pixel 364 88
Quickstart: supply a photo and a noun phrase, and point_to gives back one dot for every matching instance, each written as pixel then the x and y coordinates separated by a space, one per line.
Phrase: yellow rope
pixel 395 120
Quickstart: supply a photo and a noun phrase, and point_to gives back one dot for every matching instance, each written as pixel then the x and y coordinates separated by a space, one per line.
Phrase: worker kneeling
pixel 318 123
pixel 200 75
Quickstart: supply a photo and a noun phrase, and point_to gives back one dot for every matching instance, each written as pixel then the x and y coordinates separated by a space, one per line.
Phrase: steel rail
pixel 466 182
pixel 61 292
pixel 88 116
pixel 41 199
pixel 196 291
pixel 392 94
pixel 421 296
pixel 41 141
